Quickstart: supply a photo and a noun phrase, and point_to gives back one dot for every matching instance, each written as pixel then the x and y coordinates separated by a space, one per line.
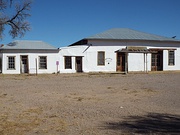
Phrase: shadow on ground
pixel 153 123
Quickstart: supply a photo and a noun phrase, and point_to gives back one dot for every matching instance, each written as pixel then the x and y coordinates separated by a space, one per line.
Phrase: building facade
pixel 115 50
pixel 32 57
pixel 122 50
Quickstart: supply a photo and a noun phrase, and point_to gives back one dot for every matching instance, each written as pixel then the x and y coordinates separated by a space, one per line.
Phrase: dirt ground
pixel 90 104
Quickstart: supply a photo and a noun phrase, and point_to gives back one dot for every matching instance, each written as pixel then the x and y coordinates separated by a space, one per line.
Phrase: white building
pixel 121 50
pixel 115 50
pixel 28 57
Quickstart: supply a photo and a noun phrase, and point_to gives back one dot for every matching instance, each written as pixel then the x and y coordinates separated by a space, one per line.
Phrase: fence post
pixel 36 67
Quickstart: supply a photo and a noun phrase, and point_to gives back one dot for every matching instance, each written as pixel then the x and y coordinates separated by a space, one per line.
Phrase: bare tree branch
pixel 19 26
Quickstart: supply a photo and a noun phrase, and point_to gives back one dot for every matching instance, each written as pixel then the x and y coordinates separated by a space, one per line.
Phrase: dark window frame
pixel 171 57
pixel 11 63
pixel 42 62
pixel 67 62
pixel 101 60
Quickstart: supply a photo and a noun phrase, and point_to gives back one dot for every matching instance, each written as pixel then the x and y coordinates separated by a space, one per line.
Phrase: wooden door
pixel 157 61
pixel 79 64
pixel 120 62
pixel 24 64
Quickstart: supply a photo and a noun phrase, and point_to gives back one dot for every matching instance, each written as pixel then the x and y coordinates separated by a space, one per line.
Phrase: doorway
pixel 24 64
pixel 79 64
pixel 157 61
pixel 120 61
pixel 0 65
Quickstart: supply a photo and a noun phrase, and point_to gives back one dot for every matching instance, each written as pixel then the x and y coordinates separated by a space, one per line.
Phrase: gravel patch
pixel 90 104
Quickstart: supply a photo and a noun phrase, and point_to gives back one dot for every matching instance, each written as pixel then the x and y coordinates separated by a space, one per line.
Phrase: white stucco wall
pixel 137 62
pixel 110 59
pixel 73 52
pixel 51 63
pixel 89 56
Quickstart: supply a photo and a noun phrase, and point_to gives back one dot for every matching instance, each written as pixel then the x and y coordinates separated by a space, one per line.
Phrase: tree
pixel 16 21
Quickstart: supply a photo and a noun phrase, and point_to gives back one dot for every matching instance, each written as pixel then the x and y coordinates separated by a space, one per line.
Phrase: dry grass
pixel 18 125
pixel 30 120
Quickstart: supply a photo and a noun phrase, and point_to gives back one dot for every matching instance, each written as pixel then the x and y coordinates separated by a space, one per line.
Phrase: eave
pixel 29 50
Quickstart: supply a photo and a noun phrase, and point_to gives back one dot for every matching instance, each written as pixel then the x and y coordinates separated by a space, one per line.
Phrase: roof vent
pixel 11 44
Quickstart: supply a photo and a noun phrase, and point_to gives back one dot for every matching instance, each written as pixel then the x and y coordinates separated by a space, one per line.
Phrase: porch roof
pixel 136 49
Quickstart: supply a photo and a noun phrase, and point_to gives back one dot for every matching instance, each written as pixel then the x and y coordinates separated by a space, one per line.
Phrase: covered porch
pixel 122 57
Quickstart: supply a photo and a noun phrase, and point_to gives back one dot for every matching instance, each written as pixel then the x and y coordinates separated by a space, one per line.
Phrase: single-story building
pixel 121 50
pixel 28 57
pixel 115 50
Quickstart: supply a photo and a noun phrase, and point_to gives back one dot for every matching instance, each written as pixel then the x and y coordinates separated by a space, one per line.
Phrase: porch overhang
pixel 141 49
pixel 162 49
pixel 135 49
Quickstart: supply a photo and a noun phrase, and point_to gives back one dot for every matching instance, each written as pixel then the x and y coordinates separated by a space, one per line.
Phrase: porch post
pixel 36 67
pixel 146 64
pixel 126 63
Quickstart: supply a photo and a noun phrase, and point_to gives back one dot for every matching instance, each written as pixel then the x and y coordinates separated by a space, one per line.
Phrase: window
pixel 101 58
pixel 42 62
pixel 11 62
pixel 68 63
pixel 171 57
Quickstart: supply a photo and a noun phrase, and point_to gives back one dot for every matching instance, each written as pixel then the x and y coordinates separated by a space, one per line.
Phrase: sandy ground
pixel 90 104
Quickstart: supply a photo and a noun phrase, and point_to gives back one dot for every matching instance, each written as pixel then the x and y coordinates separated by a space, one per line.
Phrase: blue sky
pixel 62 22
